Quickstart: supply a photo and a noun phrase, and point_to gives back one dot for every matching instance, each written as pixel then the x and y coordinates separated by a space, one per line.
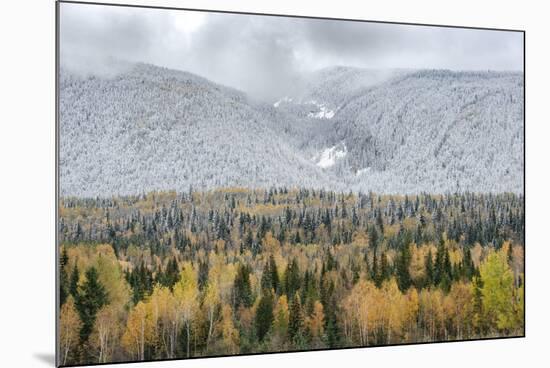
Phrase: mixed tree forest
pixel 235 271
pixel 284 187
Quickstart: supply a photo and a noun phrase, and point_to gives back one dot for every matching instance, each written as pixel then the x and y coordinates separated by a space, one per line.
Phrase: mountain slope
pixel 437 130
pixel 411 131
pixel 158 129
pixel 152 128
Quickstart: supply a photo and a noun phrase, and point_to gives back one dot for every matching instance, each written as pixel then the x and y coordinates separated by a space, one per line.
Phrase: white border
pixel 27 182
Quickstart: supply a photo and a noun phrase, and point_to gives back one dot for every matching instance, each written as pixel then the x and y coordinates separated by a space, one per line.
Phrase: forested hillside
pixel 412 131
pixel 152 128
pixel 235 270
pixel 157 129
pixel 438 130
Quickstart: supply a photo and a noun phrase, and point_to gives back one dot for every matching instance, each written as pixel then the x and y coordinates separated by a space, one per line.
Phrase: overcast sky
pixel 262 55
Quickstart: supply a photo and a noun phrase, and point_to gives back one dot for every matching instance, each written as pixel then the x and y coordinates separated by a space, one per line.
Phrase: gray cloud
pixel 263 55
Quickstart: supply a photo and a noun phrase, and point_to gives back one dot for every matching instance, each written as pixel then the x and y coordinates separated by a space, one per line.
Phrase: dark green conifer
pixel 296 321
pixel 63 277
pixel 264 315
pixel 91 297
pixel 75 277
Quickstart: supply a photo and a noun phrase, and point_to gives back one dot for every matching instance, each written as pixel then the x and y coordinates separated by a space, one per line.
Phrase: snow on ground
pixel 323 113
pixel 329 156
pixel 284 99
pixel 362 171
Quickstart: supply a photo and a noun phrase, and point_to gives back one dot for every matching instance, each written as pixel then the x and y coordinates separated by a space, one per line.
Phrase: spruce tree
pixel 355 273
pixel 292 278
pixel 63 277
pixel 274 274
pixel 445 283
pixel 402 271
pixel 439 267
pixel 141 280
pixel 203 274
pixel 447 265
pixel 332 332
pixel 297 238
pixel 242 290
pixel 91 297
pixel 73 285
pixel 380 221
pixel 266 282
pixel 510 255
pixel 429 281
pixel 264 315
pixel 249 240
pixel 477 305
pixel 172 273
pixel 296 321
pixel 385 270
pixel 468 267
pixel 375 275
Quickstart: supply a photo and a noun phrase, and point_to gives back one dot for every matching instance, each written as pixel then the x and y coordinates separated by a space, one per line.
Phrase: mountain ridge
pixel 152 128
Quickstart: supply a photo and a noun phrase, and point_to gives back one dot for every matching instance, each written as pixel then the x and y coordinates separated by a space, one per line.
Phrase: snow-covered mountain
pixel 320 94
pixel 158 129
pixel 152 128
pixel 437 129
pixel 430 130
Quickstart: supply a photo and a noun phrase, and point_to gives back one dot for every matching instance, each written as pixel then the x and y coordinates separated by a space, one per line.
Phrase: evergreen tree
pixel 296 321
pixel 274 274
pixel 439 267
pixel 402 269
pixel 203 274
pixel 385 270
pixel 332 332
pixel 270 276
pixel 510 255
pixel 373 237
pixel 429 281
pixel 73 285
pixel 468 267
pixel 478 317
pixel 375 274
pixel 91 297
pixel 242 292
pixel 264 315
pixel 249 240
pixel 63 277
pixel 141 281
pixel 445 283
pixel 355 273
pixel 266 281
pixel 170 276
pixel 297 238
pixel 447 265
pixel 380 221
pixel 172 273
pixel 292 278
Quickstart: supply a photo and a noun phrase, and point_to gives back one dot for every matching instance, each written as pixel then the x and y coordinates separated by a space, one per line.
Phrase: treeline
pixel 167 275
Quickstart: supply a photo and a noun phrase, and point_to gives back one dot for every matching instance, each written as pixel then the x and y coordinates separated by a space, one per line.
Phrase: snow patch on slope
pixel 329 156
pixel 323 113
pixel 317 110
pixel 284 99
pixel 362 171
